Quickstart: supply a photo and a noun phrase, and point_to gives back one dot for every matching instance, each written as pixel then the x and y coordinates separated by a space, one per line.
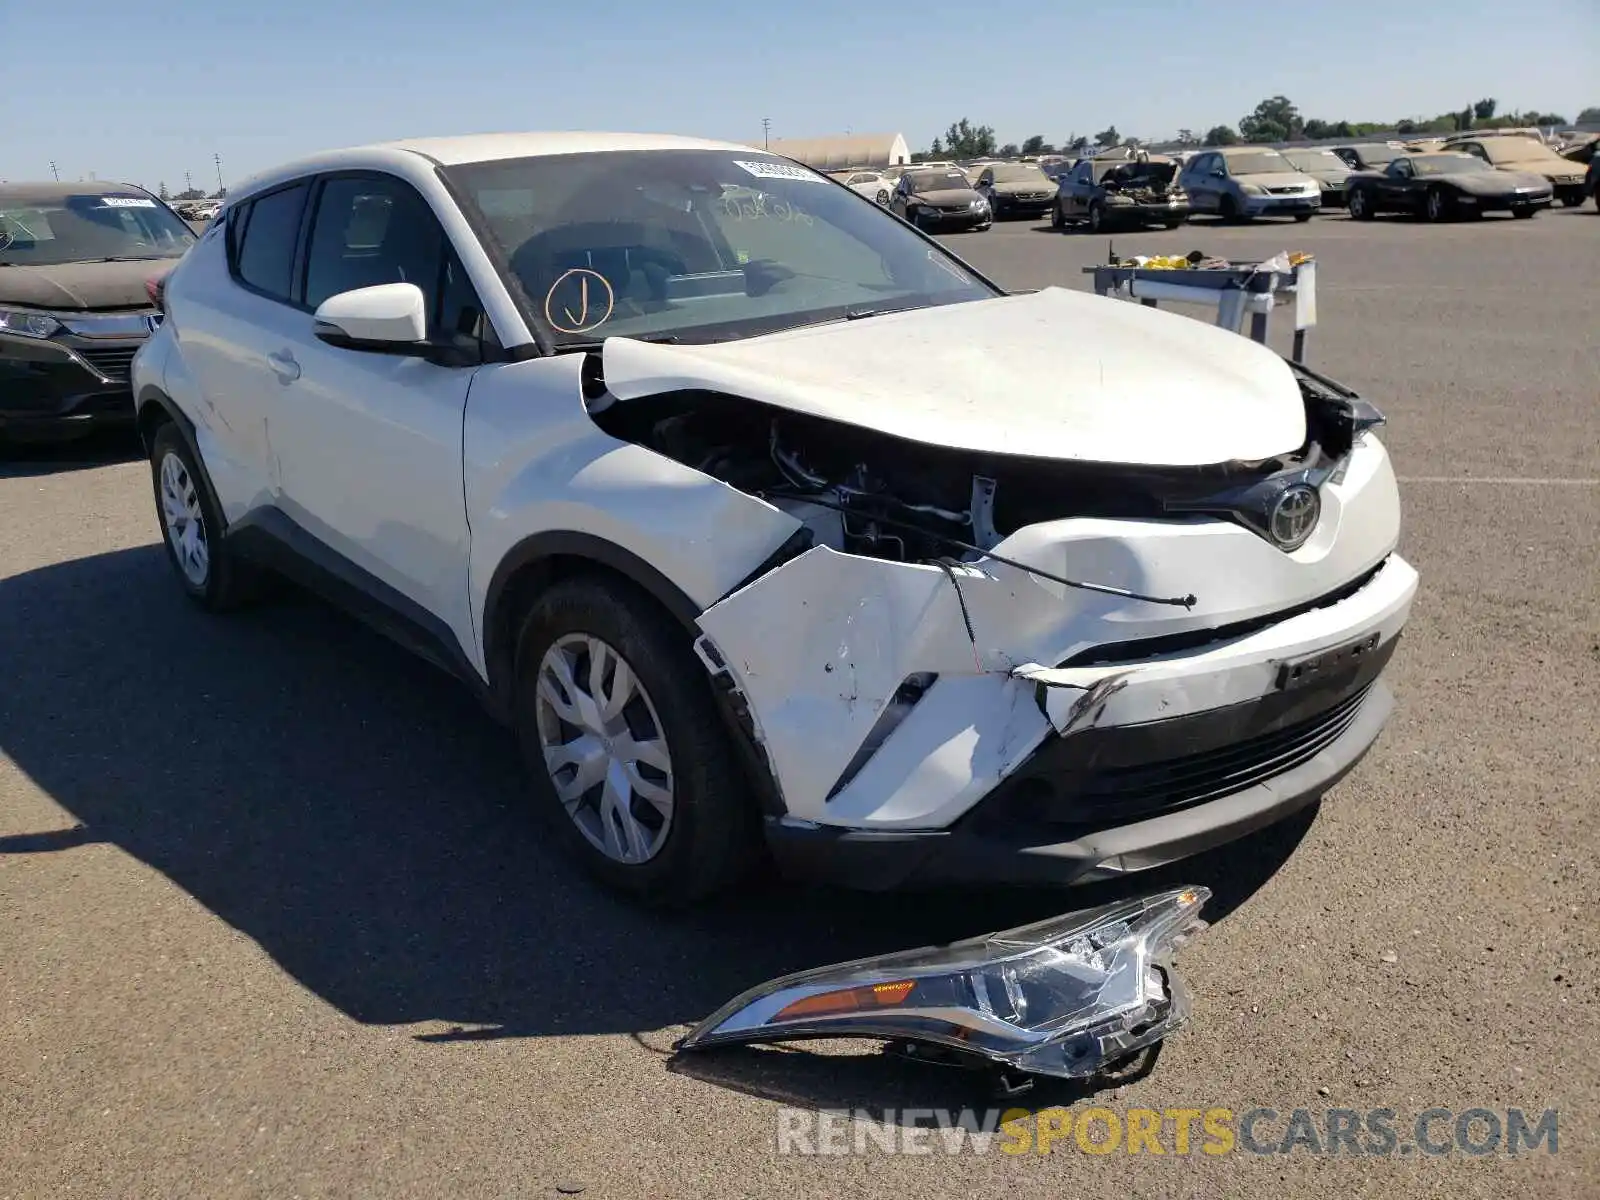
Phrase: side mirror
pixel 391 318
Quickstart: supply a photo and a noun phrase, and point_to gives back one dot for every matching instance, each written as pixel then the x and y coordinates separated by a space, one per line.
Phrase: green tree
pixel 1590 115
pixel 1034 144
pixel 1009 150
pixel 163 193
pixel 1108 137
pixel 1274 120
pixel 1484 109
pixel 1221 135
pixel 966 140
pixel 1186 137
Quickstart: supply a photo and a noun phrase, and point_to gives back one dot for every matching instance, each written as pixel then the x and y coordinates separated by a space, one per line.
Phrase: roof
pixel 486 147
pixel 51 190
pixel 846 150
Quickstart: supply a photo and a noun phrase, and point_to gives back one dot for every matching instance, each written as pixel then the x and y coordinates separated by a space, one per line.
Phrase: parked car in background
pixel 940 201
pixel 1245 182
pixel 1523 156
pixel 1526 132
pixel 1015 190
pixel 1369 156
pixel 1327 168
pixel 740 567
pixel 874 185
pixel 1443 187
pixel 1591 180
pixel 1098 193
pixel 76 261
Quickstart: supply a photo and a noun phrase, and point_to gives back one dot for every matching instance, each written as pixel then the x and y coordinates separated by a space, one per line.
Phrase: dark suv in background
pixel 79 269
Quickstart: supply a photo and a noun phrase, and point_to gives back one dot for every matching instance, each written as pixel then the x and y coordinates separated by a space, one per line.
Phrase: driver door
pixel 370 443
pixel 1395 188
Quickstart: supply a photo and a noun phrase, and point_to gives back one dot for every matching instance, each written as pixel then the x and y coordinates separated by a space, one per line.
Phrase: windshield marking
pixel 580 322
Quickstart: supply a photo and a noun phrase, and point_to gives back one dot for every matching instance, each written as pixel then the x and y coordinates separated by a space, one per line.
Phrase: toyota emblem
pixel 1294 516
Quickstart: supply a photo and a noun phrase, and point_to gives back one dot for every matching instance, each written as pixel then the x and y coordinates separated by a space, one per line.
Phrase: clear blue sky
pixel 146 91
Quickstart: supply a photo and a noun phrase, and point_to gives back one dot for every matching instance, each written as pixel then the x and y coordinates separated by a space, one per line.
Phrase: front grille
pixel 111 361
pixel 1131 793
pixel 1284 191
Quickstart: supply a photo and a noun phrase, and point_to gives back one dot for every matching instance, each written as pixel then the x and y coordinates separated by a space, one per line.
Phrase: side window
pixel 369 230
pixel 265 241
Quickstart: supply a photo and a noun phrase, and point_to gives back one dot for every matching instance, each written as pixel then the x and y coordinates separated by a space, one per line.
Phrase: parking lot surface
pixel 274 920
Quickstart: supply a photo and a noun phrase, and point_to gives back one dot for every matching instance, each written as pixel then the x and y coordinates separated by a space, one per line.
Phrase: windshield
pixel 696 245
pixel 938 181
pixel 1376 156
pixel 1259 162
pixel 1018 173
pixel 1316 160
pixel 1449 164
pixel 48 231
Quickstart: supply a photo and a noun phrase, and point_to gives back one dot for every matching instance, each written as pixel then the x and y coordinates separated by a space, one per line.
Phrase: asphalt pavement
pixel 274 920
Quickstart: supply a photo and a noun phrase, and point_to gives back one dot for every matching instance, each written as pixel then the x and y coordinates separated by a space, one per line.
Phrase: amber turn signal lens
pixel 856 999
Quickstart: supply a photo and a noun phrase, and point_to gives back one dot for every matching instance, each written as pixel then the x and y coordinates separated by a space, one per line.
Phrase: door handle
pixel 284 366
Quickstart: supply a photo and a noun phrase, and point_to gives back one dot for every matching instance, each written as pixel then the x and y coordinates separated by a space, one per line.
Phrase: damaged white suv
pixel 766 522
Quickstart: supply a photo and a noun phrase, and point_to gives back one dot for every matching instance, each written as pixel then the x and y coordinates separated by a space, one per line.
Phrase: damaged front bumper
pixel 927 723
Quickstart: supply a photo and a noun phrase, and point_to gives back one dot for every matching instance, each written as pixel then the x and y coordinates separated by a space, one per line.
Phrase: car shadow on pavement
pixel 354 812
pixel 19 459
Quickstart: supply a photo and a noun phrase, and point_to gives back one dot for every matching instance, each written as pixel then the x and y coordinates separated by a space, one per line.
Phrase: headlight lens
pixel 27 324
pixel 1062 997
pixel 1252 189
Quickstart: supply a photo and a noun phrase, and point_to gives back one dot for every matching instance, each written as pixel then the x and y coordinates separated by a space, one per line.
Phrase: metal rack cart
pixel 1233 291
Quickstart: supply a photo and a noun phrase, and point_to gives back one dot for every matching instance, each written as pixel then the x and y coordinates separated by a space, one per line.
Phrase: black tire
pixel 712 838
pixel 1359 206
pixel 1524 214
pixel 227 582
pixel 1175 222
pixel 1436 205
pixel 1097 217
pixel 1228 209
pixel 1572 202
pixel 1058 219
pixel 1302 218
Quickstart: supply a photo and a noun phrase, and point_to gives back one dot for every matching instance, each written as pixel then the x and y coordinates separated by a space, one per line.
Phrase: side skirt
pixel 273 540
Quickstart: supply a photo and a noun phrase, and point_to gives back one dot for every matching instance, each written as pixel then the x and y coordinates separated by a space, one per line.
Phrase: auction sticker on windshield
pixel 126 202
pixel 773 170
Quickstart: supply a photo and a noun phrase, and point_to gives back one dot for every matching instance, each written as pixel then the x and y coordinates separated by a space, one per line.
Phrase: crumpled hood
pixel 1057 374
pixel 82 285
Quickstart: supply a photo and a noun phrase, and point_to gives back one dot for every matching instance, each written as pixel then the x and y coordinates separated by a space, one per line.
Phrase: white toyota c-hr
pixel 766 522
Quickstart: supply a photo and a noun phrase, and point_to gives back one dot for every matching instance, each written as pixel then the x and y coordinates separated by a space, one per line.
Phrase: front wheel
pixel 1302 218
pixel 1360 206
pixel 1524 214
pixel 1572 201
pixel 1435 205
pixel 1097 217
pixel 1058 219
pixel 628 758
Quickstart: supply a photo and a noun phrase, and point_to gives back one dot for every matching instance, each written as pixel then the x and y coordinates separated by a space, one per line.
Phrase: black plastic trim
pixel 272 539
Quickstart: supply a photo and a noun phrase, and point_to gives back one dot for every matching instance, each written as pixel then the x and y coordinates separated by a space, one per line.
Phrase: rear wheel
pixel 628 759
pixel 191 526
pixel 1571 201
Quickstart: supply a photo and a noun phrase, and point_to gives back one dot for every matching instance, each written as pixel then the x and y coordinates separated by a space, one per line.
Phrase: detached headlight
pixel 1064 997
pixel 27 324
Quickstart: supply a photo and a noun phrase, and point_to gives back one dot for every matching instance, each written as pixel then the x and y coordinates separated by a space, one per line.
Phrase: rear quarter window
pixel 265 237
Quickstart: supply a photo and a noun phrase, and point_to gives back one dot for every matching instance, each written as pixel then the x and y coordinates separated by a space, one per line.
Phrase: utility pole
pixel 217 158
pixel 766 130
pixel 188 183
pixel 54 170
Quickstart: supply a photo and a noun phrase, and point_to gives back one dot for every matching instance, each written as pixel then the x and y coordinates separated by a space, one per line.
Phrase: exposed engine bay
pixel 1140 182
pixel 867 493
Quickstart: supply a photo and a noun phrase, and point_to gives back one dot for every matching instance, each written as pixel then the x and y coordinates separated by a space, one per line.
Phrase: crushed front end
pixel 970 668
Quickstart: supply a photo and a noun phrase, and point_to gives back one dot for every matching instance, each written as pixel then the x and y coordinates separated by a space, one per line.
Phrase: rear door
pixel 371 442
pixel 233 308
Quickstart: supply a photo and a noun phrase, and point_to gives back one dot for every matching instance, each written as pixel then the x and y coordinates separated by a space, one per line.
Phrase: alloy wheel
pixel 184 520
pixel 605 748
